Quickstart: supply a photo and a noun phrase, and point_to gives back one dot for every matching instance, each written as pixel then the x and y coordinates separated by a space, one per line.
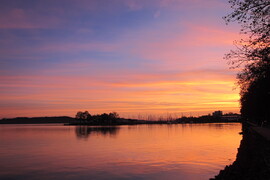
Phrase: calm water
pixel 195 151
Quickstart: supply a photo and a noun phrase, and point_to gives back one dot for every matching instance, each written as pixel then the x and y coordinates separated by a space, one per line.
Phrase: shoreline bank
pixel 253 157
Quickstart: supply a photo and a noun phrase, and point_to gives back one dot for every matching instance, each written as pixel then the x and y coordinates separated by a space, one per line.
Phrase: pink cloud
pixel 171 46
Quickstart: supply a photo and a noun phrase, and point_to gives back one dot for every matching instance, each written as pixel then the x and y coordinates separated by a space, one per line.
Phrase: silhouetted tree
pixel 254 54
pixel 255 100
pixel 110 118
pixel 83 116
pixel 254 17
pixel 114 115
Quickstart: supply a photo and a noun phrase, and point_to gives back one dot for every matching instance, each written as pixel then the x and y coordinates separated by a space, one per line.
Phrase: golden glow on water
pixel 184 151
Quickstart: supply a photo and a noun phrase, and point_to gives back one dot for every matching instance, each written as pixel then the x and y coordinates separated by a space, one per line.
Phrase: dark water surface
pixel 183 151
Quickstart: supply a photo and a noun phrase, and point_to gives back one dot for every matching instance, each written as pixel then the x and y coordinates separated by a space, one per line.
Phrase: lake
pixel 178 151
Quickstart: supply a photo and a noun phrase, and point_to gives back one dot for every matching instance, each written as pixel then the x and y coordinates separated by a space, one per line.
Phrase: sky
pixel 135 57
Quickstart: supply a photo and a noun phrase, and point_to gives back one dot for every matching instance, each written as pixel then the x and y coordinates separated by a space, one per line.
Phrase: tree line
pixel 86 118
pixel 252 56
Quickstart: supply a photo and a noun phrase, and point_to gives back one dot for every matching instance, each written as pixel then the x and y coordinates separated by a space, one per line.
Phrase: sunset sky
pixel 135 57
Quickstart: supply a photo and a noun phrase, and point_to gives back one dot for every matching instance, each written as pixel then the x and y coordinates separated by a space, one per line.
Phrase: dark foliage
pixel 86 118
pixel 255 100
pixel 254 17
pixel 253 54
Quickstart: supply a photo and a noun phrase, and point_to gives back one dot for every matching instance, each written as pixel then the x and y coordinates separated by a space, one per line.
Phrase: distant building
pixel 217 114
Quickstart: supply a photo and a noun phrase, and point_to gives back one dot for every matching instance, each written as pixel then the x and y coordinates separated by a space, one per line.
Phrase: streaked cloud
pixel 133 57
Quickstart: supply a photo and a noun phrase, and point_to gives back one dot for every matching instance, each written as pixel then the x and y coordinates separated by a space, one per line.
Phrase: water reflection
pixel 86 131
pixel 217 125
pixel 179 151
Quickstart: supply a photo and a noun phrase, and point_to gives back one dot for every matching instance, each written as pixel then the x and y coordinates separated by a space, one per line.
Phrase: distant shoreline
pixel 65 120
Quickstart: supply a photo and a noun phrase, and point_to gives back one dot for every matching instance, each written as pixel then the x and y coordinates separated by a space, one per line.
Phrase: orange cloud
pixel 152 96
